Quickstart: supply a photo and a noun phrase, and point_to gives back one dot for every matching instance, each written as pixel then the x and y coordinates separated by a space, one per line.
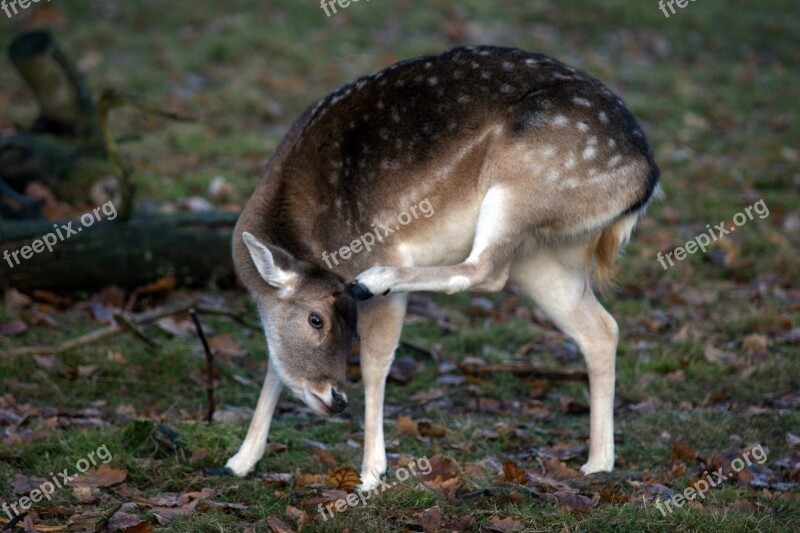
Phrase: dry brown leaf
pixel 23 485
pixel 123 522
pixel 431 519
pixel 403 369
pixel 429 429
pixel 344 478
pixel 512 473
pixel 407 426
pixel 13 328
pixel 682 450
pixel 299 516
pixel 720 357
pixel 443 476
pixel 276 525
pixel 225 346
pixel 571 500
pixel 755 344
pixel 503 525
pixel 104 476
pixel 325 457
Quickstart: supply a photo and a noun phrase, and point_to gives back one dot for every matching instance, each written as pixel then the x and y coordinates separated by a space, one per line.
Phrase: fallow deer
pixel 537 173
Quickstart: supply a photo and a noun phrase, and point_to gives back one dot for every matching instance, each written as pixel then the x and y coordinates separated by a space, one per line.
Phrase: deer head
pixel 309 320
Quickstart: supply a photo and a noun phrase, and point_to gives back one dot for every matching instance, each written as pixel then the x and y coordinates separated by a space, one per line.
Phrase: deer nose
pixel 338 401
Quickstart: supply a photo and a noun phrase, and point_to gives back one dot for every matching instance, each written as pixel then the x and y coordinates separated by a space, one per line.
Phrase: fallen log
pixel 192 248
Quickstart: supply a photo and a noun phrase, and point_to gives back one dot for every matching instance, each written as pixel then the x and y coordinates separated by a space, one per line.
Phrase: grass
pixel 714 86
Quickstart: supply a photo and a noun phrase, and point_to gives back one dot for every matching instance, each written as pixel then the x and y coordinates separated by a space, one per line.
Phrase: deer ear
pixel 281 278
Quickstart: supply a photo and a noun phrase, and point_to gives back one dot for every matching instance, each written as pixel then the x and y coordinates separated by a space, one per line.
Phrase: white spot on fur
pixel 553 175
pixel 569 183
pixel 560 120
pixel 464 99
pixel 603 117
pixel 584 127
pixel 589 153
pixel 433 80
pixel 571 161
pixel 612 143
pixel 581 102
pixel 614 161
pixel 548 151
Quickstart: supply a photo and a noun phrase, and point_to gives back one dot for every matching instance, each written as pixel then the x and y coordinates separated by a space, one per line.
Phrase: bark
pixel 194 249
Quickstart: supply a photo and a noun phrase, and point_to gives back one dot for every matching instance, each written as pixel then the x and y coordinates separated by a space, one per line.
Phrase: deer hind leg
pixel 380 322
pixel 485 269
pixel 556 279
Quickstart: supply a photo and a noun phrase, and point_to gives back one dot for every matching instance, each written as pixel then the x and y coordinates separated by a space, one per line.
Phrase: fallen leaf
pixel 13 328
pixel 571 500
pixel 23 485
pixel 503 525
pixel 325 457
pixel 407 426
pixel 683 451
pixel 225 346
pixel 128 523
pixel 403 369
pixel 276 525
pixel 299 516
pixel 720 357
pixel 431 519
pixel 104 476
pixel 443 475
pixel 512 473
pixel 429 429
pixel 344 478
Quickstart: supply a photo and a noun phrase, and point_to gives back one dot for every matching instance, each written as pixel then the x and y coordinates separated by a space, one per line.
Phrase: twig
pixel 220 311
pixel 525 371
pixel 131 323
pixel 496 491
pixel 209 365
pixel 128 325
pixel 108 331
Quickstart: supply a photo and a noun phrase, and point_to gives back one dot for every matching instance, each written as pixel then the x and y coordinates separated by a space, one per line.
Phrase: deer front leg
pixel 252 449
pixel 379 325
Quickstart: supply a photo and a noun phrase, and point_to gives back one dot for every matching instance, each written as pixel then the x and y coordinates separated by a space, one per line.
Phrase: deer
pixel 538 174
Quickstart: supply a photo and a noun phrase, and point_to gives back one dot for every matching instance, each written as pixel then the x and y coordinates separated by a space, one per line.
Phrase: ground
pixel 708 365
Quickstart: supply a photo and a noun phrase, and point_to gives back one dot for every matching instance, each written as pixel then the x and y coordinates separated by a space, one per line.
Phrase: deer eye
pixel 315 321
